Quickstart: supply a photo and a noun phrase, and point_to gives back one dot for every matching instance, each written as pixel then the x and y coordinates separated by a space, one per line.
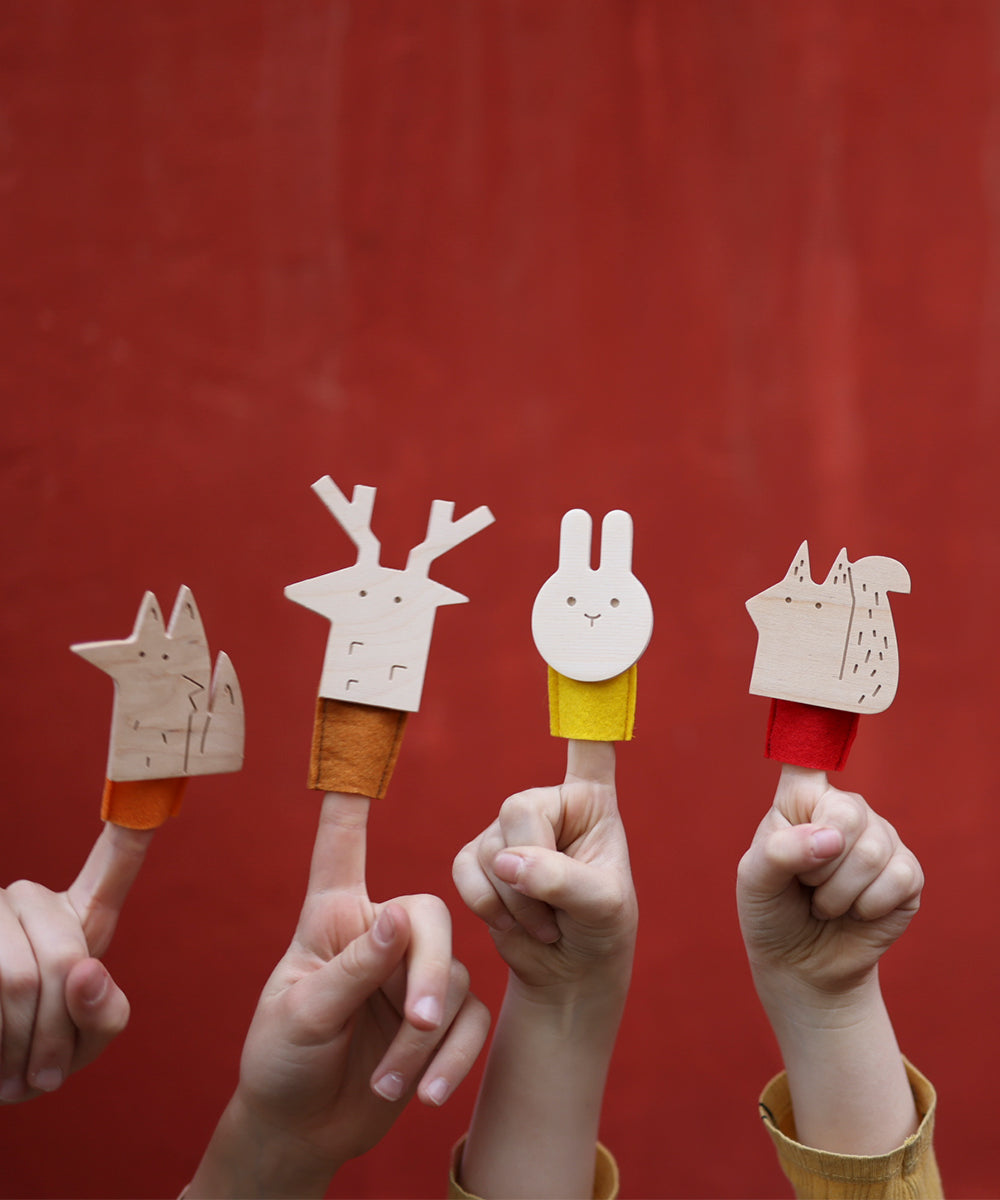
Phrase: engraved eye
pixel 788 599
pixel 362 592
pixel 571 600
pixel 164 657
pixel 142 653
pixel 397 599
pixel 615 602
pixel 818 605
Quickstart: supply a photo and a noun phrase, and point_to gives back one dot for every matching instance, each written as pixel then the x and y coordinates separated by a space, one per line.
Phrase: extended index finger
pixel 590 761
pixel 98 893
pixel 338 859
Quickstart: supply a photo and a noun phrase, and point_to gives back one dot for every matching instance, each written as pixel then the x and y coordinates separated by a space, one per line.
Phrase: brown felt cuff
pixel 355 747
pixel 806 735
pixel 142 803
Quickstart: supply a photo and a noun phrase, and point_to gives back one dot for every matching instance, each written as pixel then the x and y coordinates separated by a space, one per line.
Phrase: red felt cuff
pixel 808 736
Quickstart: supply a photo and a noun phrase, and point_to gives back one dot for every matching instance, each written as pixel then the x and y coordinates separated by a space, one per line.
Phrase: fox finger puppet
pixel 591 626
pixel 173 717
pixel 826 653
pixel 381 622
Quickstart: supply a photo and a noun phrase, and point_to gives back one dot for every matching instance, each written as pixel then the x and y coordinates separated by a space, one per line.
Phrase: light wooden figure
pixel 591 626
pixel 830 644
pixel 173 716
pixel 381 623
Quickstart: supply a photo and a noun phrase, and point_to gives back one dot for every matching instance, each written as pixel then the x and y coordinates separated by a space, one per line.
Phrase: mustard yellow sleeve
pixel 605 1175
pixel 908 1173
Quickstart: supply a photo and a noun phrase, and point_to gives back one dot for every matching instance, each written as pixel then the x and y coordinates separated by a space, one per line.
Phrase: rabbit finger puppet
pixel 826 653
pixel 381 622
pixel 591 626
pixel 173 717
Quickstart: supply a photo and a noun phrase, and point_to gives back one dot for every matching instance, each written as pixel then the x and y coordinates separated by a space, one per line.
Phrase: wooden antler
pixel 444 534
pixel 354 516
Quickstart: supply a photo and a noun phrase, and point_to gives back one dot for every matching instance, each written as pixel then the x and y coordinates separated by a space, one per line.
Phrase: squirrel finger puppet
pixel 381 622
pixel 173 716
pixel 591 626
pixel 826 652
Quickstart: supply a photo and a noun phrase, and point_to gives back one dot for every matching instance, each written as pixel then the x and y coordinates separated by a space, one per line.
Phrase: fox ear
pixel 185 620
pixel 575 533
pixel 150 616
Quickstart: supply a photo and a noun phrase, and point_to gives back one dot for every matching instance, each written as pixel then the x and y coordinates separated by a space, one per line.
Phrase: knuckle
pixel 20 985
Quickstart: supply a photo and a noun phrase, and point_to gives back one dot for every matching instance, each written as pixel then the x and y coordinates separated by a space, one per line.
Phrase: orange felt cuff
pixel 354 747
pixel 142 803
pixel 592 712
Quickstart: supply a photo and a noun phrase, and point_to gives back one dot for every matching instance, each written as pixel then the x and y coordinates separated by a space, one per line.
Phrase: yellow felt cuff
pixel 354 747
pixel 142 803
pixel 592 712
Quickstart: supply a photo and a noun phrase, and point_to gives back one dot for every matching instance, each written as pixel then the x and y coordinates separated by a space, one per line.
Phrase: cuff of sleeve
pixel 822 1173
pixel 605 1175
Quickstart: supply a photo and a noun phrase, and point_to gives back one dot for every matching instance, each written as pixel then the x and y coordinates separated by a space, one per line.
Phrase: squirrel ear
pixel 575 534
pixel 616 543
pixel 799 570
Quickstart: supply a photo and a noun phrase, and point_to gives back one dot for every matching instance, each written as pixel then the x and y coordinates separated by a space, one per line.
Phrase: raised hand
pixel 551 878
pixel 366 1008
pixel 59 1007
pixel 824 889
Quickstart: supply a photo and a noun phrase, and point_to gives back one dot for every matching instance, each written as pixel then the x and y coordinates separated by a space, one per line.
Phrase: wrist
pixel 789 996
pixel 249 1155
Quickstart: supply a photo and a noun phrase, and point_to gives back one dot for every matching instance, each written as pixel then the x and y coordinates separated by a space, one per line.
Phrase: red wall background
pixel 732 266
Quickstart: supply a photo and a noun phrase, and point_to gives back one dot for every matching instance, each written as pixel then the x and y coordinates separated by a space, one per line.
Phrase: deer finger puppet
pixel 826 653
pixel 173 716
pixel 591 626
pixel 381 622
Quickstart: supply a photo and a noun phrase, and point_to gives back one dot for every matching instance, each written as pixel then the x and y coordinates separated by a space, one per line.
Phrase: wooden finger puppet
pixel 173 716
pixel 591 626
pixel 826 652
pixel 381 622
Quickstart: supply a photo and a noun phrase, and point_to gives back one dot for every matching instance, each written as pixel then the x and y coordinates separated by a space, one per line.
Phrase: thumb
pixel 327 998
pixel 581 891
pixel 97 1007
pixel 781 855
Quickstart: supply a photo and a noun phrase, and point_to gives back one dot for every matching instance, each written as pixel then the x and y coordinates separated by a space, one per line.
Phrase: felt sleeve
pixel 909 1171
pixel 593 712
pixel 354 747
pixel 806 735
pixel 142 803
pixel 605 1175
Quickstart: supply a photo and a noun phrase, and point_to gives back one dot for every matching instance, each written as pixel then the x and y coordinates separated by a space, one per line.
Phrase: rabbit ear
pixel 616 543
pixel 575 535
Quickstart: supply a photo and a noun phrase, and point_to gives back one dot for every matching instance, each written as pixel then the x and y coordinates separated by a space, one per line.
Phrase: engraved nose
pixel 591 619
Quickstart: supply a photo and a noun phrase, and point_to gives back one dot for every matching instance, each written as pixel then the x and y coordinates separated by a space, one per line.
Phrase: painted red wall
pixel 734 267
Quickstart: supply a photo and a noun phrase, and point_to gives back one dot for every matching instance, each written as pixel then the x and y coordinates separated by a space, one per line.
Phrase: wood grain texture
pixel 173 716
pixel 832 644
pixel 589 623
pixel 381 618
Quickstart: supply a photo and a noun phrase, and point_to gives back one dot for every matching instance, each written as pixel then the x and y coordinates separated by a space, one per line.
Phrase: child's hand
pixel 59 1007
pixel 551 878
pixel 825 888
pixel 366 1008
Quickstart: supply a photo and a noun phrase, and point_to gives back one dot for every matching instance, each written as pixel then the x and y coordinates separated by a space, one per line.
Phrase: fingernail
pixel 548 932
pixel 504 922
pixel 48 1079
pixel 96 988
pixel 508 867
pixel 11 1089
pixel 825 843
pixel 384 929
pixel 438 1090
pixel 390 1086
pixel 428 1009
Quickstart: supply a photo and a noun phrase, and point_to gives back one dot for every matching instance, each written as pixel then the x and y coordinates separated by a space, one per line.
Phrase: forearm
pixel 848 1085
pixel 247 1158
pixel 534 1131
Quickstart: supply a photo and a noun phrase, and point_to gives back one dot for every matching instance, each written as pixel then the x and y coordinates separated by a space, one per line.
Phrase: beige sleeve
pixel 605 1175
pixel 907 1172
